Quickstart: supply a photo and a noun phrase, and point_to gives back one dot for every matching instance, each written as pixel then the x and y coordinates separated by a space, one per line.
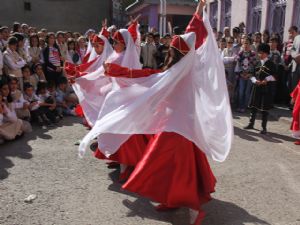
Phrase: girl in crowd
pixel 38 75
pixel 34 49
pixel 72 55
pixel 52 59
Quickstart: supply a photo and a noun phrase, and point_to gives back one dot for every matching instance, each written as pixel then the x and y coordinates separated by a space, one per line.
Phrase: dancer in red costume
pixel 173 171
pixel 295 127
pixel 186 106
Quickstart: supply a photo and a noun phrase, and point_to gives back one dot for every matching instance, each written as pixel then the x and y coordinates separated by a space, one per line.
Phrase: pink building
pixel 178 12
pixel 258 15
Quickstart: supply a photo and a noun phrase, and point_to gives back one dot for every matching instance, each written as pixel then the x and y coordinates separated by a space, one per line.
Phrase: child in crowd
pixel 72 55
pixel 37 76
pixel 37 113
pixel 34 49
pixel 66 101
pixel 26 73
pixel 47 102
pixel 10 125
pixel 261 96
pixel 20 105
pixel 246 60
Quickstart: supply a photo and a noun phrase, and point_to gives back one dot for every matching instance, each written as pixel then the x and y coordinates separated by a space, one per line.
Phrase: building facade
pixel 73 15
pixel 179 12
pixel 258 15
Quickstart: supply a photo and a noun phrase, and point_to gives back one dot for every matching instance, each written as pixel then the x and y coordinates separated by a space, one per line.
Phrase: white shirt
pixel 1 63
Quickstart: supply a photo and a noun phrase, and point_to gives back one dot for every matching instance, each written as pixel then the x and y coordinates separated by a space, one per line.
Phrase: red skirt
pixel 130 153
pixel 174 172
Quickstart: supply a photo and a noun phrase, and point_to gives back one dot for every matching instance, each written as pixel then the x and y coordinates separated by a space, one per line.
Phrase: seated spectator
pixel 20 105
pixel 47 102
pixel 65 100
pixel 10 125
pixel 37 76
pixel 11 113
pixel 37 113
pixel 26 73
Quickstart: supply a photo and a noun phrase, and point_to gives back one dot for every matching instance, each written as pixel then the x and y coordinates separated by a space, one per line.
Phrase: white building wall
pixel 239 13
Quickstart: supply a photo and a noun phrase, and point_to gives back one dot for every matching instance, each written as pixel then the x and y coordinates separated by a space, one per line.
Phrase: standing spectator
pixel 16 28
pixel 278 89
pixel 72 55
pixel 34 49
pixel 295 51
pixel 222 44
pixel 256 41
pixel 62 45
pixel 42 44
pixel 261 97
pixel 1 65
pixel 52 60
pixel 246 63
pixel 13 61
pixel 21 49
pixel 148 51
pixel 287 57
pixel 157 40
pixel 4 35
pixel 163 50
pixel 266 37
pixel 242 27
pixel 82 47
pixel 68 34
pixel 226 32
pixel 229 57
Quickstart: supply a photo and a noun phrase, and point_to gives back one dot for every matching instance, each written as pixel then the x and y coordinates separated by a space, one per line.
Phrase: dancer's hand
pixel 104 23
pixel 201 5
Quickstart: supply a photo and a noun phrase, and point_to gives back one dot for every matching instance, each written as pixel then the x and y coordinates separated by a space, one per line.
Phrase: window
pixel 225 14
pixel 254 16
pixel 277 16
pixel 213 14
pixel 296 19
pixel 27 6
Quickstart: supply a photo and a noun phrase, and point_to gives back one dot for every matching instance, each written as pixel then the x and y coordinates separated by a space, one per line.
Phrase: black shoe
pixel 263 131
pixel 249 127
pixel 94 146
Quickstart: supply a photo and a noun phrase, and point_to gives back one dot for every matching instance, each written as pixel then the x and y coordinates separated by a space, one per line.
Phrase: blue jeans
pixel 245 87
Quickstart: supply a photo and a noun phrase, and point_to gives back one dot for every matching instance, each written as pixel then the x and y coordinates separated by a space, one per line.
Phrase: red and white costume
pixel 295 127
pixel 187 108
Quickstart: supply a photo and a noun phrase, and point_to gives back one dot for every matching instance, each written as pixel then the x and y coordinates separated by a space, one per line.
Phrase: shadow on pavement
pixel 21 148
pixel 250 135
pixel 226 213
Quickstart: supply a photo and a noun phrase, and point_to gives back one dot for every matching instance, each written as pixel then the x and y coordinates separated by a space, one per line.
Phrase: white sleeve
pixel 270 78
pixel 1 62
pixel 228 59
pixel 253 80
pixel 11 64
pixel 1 119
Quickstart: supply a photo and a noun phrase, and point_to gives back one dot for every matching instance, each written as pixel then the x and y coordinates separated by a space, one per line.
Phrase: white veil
pixel 92 88
pixel 190 99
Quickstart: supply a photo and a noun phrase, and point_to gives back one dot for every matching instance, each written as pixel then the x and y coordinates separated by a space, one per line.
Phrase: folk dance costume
pixel 262 97
pixel 295 128
pixel 187 107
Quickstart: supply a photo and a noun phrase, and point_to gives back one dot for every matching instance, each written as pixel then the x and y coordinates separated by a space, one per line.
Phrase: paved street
pixel 258 184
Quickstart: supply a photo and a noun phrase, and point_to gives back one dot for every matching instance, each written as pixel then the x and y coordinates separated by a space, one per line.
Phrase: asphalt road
pixel 259 183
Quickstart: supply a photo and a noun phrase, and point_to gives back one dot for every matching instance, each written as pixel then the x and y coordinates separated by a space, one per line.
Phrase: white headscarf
pixel 92 88
pixel 190 99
